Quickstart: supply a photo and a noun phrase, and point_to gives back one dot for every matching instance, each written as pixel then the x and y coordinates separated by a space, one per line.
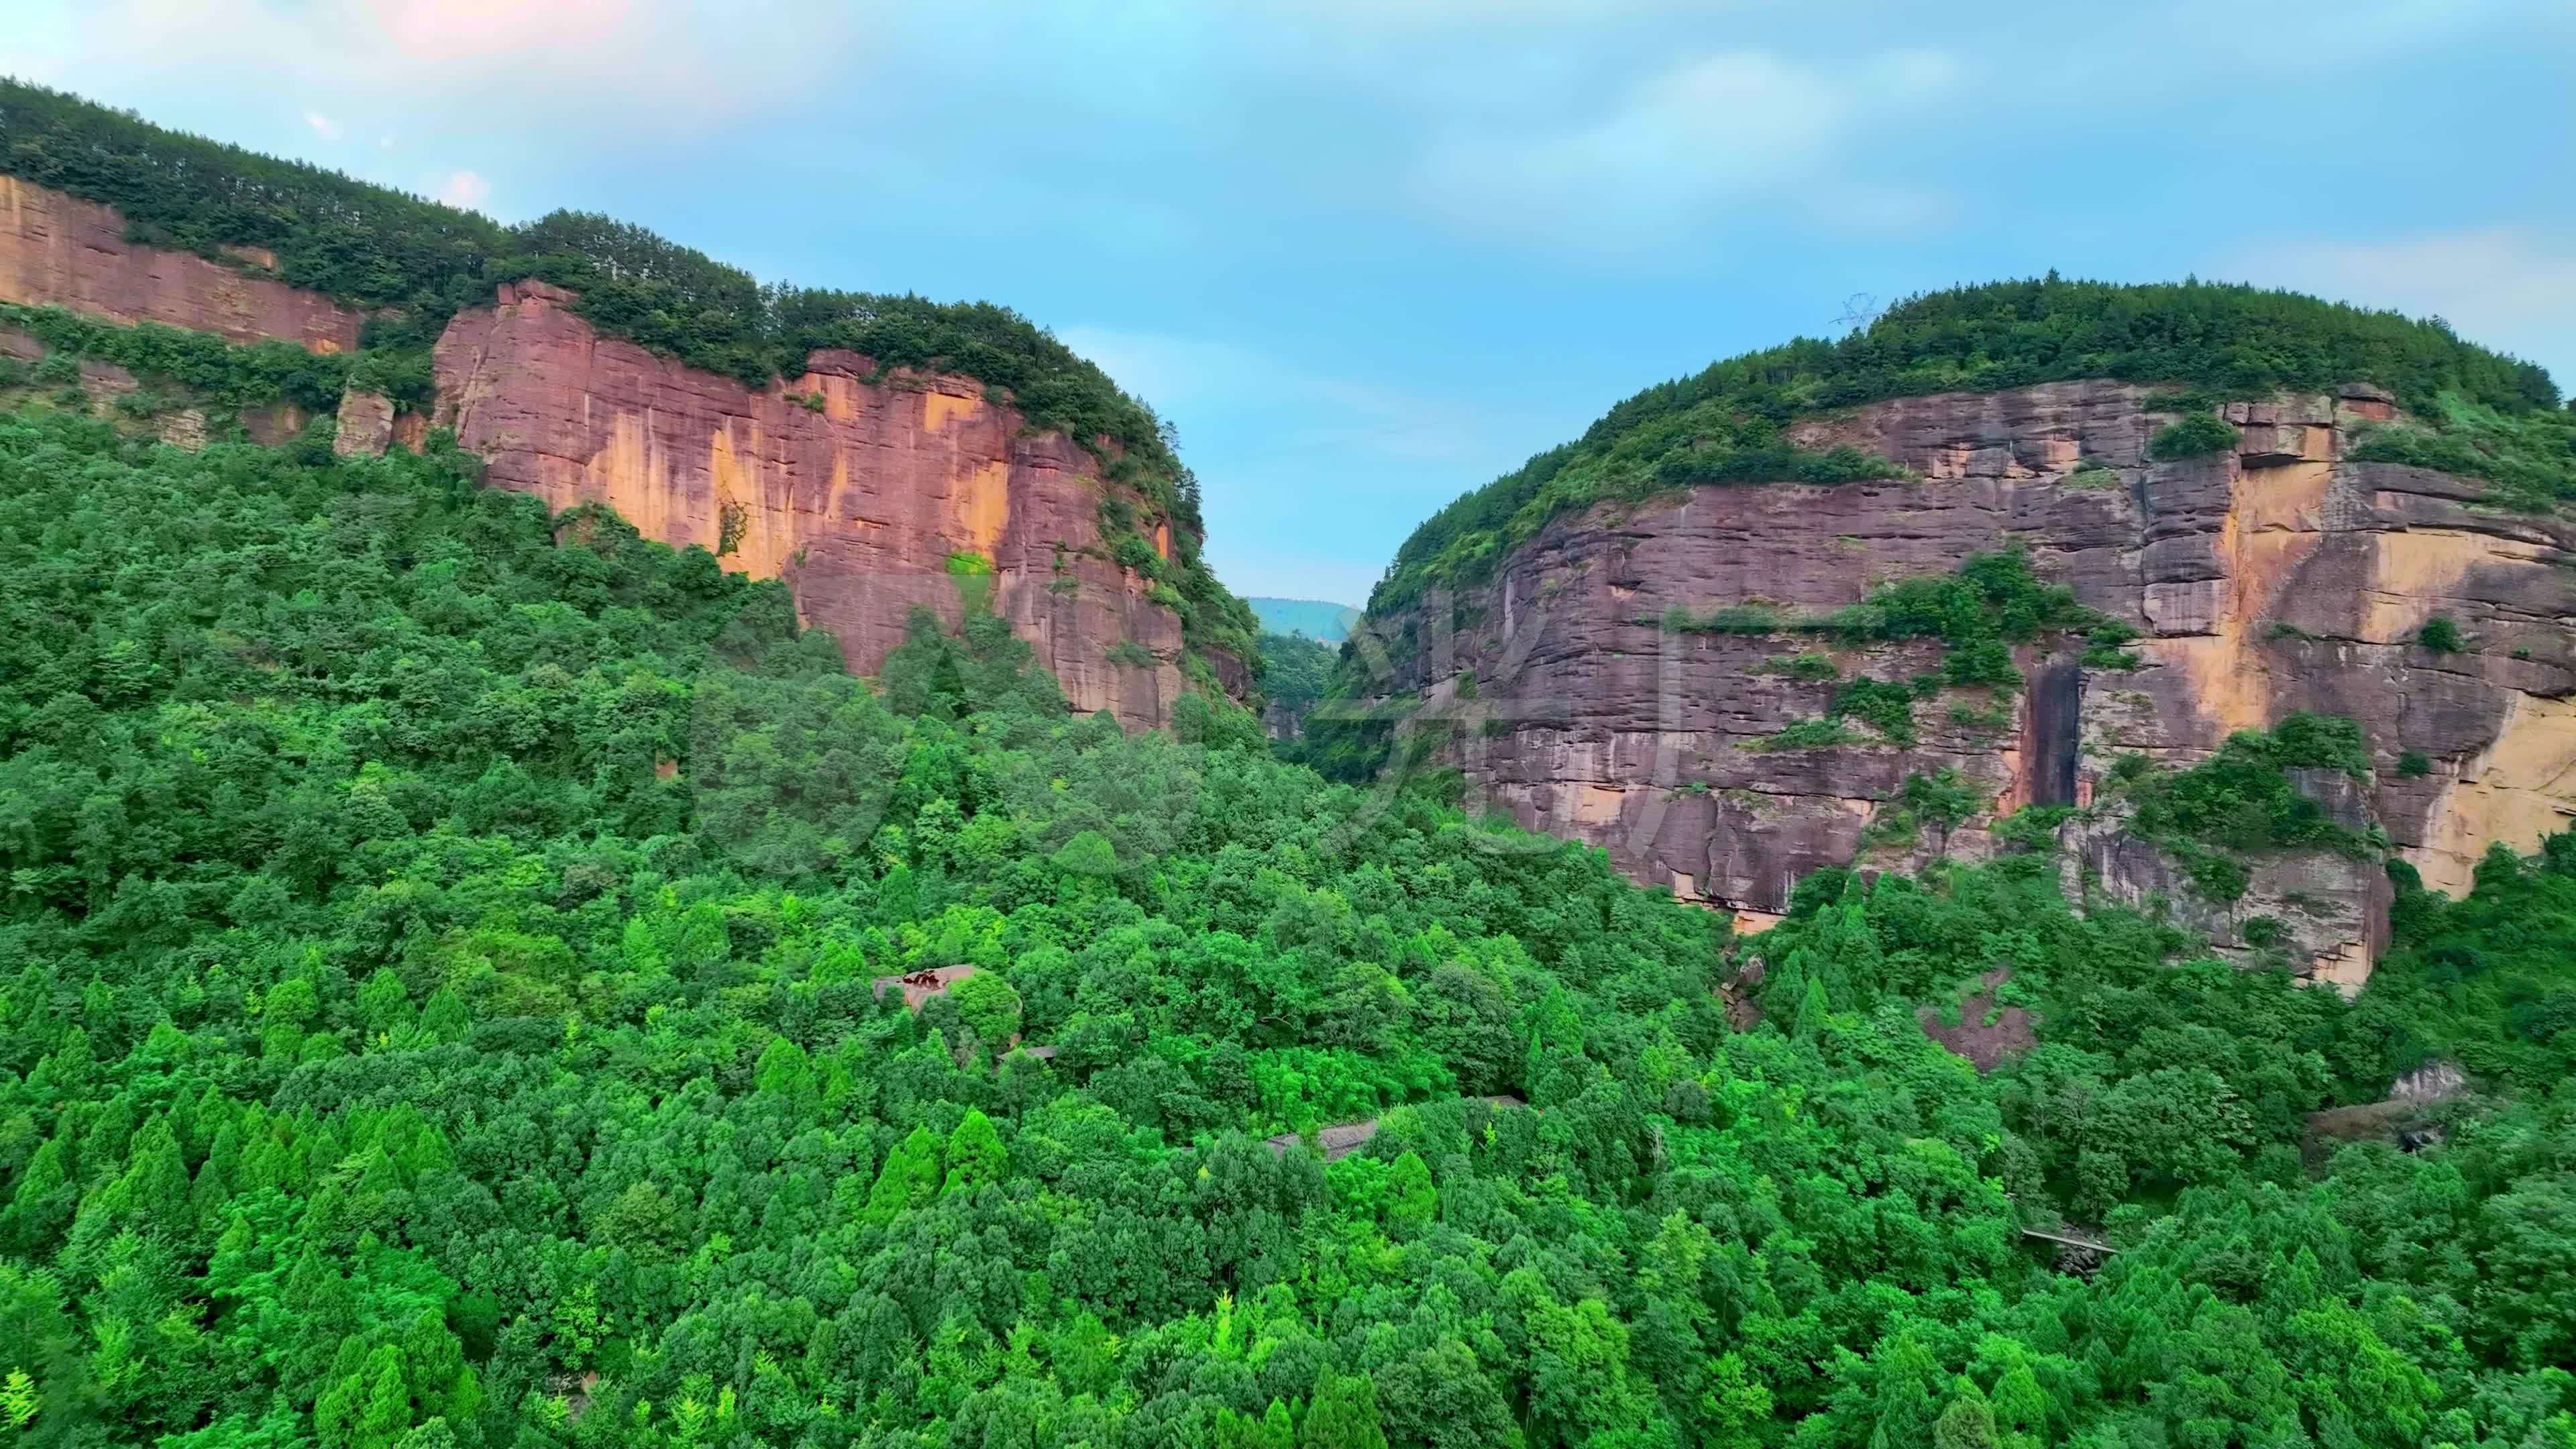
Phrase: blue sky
pixel 1368 254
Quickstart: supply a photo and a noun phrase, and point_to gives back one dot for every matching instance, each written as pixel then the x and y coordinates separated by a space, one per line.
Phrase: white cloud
pixel 465 189
pixel 1709 132
pixel 1313 477
pixel 652 63
pixel 2511 288
pixel 1183 376
pixel 1419 16
pixel 323 126
pixel 1878 206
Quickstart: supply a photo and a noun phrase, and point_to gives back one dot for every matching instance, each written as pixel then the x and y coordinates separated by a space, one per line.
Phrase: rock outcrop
pixel 366 423
pixel 104 383
pixel 2277 576
pixel 61 251
pixel 867 497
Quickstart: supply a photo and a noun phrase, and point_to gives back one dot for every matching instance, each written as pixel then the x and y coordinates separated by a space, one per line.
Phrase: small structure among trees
pixel 920 986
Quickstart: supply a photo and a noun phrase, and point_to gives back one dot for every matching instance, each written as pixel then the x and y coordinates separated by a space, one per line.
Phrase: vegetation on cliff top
pixel 2227 340
pixel 2529 456
pixel 374 247
pixel 438 1013
pixel 377 248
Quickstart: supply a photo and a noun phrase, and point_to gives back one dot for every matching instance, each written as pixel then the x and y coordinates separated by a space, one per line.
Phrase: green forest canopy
pixel 1295 670
pixel 438 1013
pixel 1725 424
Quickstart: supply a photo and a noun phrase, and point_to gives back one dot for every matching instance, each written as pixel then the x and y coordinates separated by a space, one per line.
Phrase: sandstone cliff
pixel 61 251
pixel 866 495
pixel 2276 576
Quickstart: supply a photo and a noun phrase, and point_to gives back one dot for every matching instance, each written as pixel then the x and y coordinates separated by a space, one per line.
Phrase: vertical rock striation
pixel 2277 576
pixel 867 496
pixel 61 251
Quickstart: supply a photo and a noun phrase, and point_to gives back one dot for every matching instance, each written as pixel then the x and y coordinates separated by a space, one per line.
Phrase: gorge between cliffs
pixel 1634 671
pixel 601 853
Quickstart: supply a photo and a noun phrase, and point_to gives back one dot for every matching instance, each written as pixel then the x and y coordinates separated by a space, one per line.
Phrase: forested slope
pixel 439 1013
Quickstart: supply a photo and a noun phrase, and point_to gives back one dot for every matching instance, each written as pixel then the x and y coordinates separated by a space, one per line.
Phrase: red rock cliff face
pixel 859 505
pixel 2280 576
pixel 58 250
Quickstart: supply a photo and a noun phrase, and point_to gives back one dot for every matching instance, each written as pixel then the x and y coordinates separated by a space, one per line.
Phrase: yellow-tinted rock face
pixel 2275 577
pixel 366 422
pixel 859 506
pixel 2519 789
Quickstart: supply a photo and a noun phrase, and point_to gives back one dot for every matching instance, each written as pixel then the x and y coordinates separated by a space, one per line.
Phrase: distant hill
pixel 1313 618
pixel 1294 671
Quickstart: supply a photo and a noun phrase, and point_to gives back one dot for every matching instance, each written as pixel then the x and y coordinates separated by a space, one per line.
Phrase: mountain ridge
pixel 1114 588
pixel 1669 637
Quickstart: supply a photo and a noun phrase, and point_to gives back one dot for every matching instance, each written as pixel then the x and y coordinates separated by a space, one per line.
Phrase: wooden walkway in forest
pixel 2068 1239
pixel 1344 1138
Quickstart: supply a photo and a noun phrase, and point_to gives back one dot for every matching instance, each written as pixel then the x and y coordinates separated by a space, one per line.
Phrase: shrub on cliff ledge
pixel 2529 457
pixel 2194 435
pixel 2242 799
pixel 1883 704
pixel 203 365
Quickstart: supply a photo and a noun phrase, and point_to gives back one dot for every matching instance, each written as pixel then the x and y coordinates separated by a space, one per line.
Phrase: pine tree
pixel 441 1379
pixel 1342 1414
pixel 445 1018
pixel 2020 1406
pixel 383 1411
pixel 1412 1199
pixel 909 1178
pixel 1968 1423
pixel 974 1152
pixel 19 1399
pixel 208 1196
pixel 237 1255
pixel 1555 1070
pixel 1813 1009
pixel 152 1196
pixel 785 1072
pixel 383 1003
pixel 1908 1402
pixel 42 1207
